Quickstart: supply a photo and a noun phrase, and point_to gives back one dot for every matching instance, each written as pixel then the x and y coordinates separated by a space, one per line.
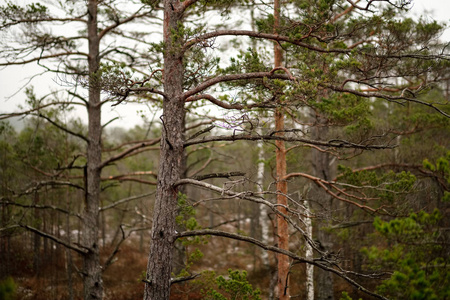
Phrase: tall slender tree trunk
pixel 93 286
pixel 37 255
pixel 159 266
pixel 309 254
pixel 283 229
pixel 69 262
pixel 263 219
pixel 322 168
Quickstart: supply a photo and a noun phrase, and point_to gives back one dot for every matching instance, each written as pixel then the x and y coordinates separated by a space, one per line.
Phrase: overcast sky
pixel 12 78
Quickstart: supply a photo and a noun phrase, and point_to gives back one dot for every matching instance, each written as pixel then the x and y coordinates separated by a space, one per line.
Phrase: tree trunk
pixel 179 250
pixel 159 266
pixel 93 286
pixel 263 235
pixel 69 262
pixel 283 229
pixel 37 255
pixel 309 254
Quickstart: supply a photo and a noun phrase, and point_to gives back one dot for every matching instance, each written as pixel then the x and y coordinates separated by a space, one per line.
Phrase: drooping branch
pixel 63 128
pixel 391 98
pixel 110 260
pixel 199 133
pixel 322 262
pixel 247 137
pixel 254 197
pixel 56 240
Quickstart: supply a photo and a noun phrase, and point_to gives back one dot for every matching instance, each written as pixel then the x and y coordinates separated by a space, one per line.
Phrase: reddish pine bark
pixel 283 230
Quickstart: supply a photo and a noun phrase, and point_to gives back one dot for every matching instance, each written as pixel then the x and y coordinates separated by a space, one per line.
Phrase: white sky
pixel 12 78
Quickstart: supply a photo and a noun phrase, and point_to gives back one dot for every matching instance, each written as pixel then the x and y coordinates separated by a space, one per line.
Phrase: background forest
pixel 287 150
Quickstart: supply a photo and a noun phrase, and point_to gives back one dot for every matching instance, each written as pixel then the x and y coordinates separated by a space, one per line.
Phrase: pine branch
pixel 233 77
pixel 218 175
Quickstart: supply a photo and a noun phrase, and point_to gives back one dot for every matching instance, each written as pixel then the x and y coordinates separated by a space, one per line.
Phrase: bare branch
pixel 125 200
pixel 129 151
pixel 41 20
pixel 322 183
pixel 134 16
pixel 332 143
pixel 24 62
pixel 199 133
pixel 387 97
pixel 320 263
pixel 63 128
pixel 27 112
pixel 57 240
pixel 53 207
pixel 41 184
pixel 126 177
